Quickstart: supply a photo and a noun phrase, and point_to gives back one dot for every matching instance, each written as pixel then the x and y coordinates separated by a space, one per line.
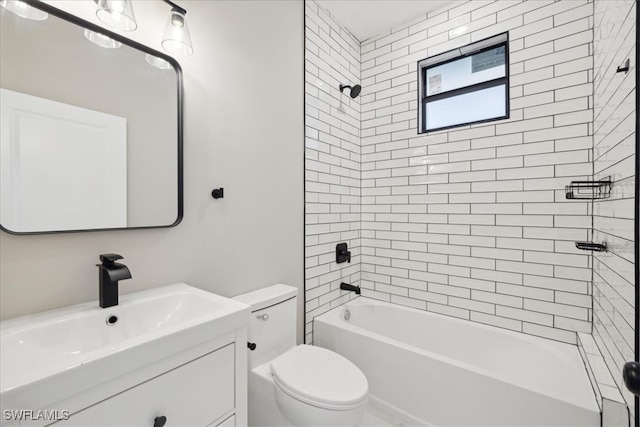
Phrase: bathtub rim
pixel 335 317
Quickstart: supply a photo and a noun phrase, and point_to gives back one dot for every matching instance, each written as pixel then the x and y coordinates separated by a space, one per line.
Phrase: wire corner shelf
pixel 589 190
pixel 591 246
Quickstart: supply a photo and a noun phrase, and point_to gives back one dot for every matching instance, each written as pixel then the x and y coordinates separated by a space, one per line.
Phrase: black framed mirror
pixel 90 128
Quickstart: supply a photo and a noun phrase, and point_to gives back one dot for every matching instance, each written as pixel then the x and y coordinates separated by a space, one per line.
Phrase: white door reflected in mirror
pixel 65 161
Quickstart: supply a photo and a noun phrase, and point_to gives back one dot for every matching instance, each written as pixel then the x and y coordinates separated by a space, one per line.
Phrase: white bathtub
pixel 440 371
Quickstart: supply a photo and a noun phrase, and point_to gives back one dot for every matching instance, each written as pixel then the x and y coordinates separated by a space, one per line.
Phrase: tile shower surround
pixel 614 147
pixel 332 161
pixel 471 222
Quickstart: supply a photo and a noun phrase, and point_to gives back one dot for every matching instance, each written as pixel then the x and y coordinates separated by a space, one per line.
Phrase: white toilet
pixel 296 385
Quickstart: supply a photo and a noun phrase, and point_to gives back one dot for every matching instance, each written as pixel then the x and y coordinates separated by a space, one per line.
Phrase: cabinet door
pixel 194 394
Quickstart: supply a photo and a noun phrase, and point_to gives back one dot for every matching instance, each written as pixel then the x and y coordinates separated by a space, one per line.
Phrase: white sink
pixel 47 355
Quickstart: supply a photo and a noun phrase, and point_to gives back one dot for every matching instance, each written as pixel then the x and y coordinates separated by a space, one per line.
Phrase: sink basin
pixel 73 345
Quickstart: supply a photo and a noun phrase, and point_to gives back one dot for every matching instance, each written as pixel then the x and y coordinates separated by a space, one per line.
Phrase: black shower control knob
pixel 342 253
pixel 160 421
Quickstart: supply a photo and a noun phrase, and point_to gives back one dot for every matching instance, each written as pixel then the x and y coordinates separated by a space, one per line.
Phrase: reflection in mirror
pixel 90 128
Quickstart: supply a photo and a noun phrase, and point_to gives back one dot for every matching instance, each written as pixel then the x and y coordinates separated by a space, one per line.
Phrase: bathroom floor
pixel 372 420
pixel 379 414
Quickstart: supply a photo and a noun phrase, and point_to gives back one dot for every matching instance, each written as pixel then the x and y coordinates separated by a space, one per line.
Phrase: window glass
pixel 465 85
pixel 467 108
pixel 478 68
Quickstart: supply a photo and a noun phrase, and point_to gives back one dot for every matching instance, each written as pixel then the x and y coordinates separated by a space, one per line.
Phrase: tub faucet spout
pixel 348 287
pixel 110 272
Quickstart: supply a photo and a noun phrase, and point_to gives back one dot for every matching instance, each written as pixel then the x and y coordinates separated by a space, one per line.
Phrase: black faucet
pixel 110 273
pixel 348 287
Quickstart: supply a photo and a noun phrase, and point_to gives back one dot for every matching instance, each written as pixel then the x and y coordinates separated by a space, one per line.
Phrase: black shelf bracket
pixel 589 190
pixel 590 246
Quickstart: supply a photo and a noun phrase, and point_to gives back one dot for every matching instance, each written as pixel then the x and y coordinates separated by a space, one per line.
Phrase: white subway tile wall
pixel 473 222
pixel 614 148
pixel 332 163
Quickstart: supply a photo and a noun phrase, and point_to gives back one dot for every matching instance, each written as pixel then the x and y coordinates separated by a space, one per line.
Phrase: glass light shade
pixel 101 40
pixel 117 14
pixel 158 62
pixel 176 38
pixel 22 9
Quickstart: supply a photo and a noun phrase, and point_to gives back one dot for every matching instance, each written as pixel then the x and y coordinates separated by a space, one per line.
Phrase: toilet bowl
pixel 293 385
pixel 315 386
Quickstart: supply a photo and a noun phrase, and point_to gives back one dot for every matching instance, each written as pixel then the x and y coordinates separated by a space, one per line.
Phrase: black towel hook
pixel 624 68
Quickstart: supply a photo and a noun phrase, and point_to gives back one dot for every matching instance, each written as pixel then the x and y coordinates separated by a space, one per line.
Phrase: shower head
pixel 355 90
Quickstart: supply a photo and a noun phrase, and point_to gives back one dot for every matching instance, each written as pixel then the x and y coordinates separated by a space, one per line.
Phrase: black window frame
pixel 489 43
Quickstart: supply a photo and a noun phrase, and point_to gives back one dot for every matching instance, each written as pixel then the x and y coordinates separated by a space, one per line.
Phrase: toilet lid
pixel 320 377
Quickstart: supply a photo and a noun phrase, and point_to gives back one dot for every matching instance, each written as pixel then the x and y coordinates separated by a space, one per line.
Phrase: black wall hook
pixel 624 68
pixel 217 193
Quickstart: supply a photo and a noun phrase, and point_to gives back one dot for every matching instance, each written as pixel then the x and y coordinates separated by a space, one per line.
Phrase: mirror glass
pixel 90 136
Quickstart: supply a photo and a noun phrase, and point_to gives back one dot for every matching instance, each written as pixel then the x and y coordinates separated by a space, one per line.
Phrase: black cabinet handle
pixel 251 345
pixel 160 421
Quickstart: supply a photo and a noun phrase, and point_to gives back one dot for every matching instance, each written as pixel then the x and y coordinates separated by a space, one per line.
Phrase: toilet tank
pixel 272 325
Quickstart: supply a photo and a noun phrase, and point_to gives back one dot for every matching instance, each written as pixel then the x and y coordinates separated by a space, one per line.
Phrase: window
pixel 465 85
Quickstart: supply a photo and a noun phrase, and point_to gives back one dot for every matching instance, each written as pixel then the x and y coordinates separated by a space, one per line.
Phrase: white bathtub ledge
pixel 610 400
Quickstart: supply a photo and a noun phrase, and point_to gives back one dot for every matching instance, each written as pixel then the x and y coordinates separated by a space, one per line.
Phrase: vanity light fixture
pixel 176 38
pixel 117 14
pixel 101 40
pixel 22 9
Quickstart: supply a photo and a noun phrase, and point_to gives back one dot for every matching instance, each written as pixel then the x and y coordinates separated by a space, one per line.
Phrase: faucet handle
pixel 108 259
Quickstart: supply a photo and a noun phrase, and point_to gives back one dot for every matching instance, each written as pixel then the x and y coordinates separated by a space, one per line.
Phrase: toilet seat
pixel 320 377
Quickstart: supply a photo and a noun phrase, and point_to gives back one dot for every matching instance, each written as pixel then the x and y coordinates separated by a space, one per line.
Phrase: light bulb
pixel 176 39
pixel 101 40
pixel 158 62
pixel 24 10
pixel 117 14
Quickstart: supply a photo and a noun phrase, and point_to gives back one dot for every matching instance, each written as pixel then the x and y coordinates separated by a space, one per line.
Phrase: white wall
pixel 243 131
pixel 614 156
pixel 332 176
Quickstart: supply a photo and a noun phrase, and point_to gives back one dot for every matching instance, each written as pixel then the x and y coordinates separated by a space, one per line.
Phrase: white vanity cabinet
pixel 197 393
pixel 177 354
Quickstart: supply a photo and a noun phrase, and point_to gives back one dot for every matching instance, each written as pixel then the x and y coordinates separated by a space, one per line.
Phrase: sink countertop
pixel 48 356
